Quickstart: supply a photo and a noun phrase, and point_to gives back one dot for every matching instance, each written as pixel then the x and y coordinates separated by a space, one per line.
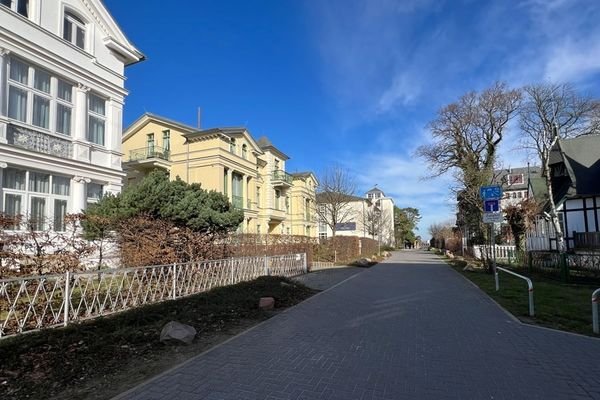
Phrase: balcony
pixel 149 157
pixel 587 240
pixel 39 142
pixel 281 178
pixel 238 202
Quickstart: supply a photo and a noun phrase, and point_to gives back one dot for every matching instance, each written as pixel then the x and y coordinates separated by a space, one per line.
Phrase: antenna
pixel 199 117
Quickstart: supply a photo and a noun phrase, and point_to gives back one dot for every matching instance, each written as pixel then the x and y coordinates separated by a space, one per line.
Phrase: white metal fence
pixel 43 301
pixel 502 252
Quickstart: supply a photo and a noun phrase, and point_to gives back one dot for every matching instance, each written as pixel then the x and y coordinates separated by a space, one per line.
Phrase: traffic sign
pixel 493 217
pixel 491 205
pixel 491 192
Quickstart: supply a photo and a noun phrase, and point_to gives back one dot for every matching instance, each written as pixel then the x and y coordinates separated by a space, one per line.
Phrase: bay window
pixel 41 198
pixel 34 99
pixel 96 119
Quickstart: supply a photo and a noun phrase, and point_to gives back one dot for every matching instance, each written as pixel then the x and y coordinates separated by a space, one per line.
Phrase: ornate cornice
pixel 81 179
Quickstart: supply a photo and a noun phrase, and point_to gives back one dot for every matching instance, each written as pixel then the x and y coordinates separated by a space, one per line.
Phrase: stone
pixel 177 332
pixel 363 262
pixel 266 303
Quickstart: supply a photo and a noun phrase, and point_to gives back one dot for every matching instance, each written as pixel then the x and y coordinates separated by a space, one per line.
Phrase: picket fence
pixel 43 301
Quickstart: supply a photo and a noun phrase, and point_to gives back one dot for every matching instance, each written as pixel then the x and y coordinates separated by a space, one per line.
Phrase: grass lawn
pixel 557 305
pixel 100 358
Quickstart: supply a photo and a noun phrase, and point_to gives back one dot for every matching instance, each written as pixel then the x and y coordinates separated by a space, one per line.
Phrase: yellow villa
pixel 252 173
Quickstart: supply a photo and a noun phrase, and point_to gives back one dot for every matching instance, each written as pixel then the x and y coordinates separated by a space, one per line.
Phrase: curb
pixel 130 391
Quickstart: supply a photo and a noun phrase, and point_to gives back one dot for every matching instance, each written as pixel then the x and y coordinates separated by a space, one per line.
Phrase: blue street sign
pixel 491 192
pixel 491 205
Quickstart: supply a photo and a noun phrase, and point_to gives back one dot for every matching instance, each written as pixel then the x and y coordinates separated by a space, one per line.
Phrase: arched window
pixel 244 152
pixel 74 30
pixel 232 146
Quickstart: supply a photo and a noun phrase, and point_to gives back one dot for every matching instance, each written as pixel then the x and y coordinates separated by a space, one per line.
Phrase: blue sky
pixel 352 82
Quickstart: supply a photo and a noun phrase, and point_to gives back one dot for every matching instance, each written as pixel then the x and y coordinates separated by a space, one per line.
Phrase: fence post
pixel 231 277
pixel 267 272
pixel 305 263
pixel 67 295
pixel 564 268
pixel 174 276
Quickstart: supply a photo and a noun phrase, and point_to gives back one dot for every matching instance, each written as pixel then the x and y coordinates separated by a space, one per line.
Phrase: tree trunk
pixel 560 241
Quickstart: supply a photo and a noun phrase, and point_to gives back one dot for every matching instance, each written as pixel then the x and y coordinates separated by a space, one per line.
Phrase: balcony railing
pixel 149 152
pixel 282 176
pixel 587 240
pixel 237 201
pixel 39 141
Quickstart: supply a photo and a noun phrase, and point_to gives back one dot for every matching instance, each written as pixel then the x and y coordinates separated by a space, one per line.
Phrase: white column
pixel 80 148
pixel 4 54
pixel 78 194
pixel 229 184
pixel 245 191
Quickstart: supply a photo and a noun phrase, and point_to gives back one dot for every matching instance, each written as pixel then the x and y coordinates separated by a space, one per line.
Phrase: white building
pixel 371 216
pixel 61 106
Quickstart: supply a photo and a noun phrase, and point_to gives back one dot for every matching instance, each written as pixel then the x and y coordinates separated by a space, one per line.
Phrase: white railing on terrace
pixel 317 265
pixel 43 301
pixel 502 252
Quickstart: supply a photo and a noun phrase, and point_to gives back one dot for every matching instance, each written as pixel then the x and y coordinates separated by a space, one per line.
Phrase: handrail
pixel 529 284
pixel 595 299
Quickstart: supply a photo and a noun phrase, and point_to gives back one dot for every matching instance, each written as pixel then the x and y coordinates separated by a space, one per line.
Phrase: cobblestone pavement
pixel 408 328
pixel 326 278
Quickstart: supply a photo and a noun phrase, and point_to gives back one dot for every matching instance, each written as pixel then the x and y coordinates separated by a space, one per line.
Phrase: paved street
pixel 409 328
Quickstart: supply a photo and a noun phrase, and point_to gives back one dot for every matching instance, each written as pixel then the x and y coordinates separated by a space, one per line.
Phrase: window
pixel 32 95
pixel 258 196
pixel 244 152
pixel 516 179
pixel 74 30
pixel 20 6
pixel 232 146
pixel 64 108
pixel 277 197
pixel 167 141
pixel 40 197
pixel 150 144
pixel 225 185
pixel 276 165
pixel 322 235
pixel 96 119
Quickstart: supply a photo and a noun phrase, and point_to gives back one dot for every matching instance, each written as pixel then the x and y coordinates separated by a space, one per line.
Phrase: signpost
pixel 492 214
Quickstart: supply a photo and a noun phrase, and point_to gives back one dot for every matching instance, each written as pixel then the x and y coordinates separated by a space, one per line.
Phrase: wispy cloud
pixel 390 65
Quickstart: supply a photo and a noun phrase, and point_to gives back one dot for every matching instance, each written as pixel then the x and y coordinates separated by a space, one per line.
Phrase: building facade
pixel 61 107
pixel 370 216
pixel 252 173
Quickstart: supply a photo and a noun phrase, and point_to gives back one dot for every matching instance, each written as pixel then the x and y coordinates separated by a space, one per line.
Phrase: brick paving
pixel 409 328
pixel 326 278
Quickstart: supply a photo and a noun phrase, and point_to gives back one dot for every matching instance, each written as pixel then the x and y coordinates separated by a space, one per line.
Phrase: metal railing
pixel 595 323
pixel 149 152
pixel 317 265
pixel 586 240
pixel 237 201
pixel 282 176
pixel 38 141
pixel 36 302
pixel 529 286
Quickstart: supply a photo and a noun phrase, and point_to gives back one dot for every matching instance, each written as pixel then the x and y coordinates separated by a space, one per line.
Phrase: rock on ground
pixel 177 332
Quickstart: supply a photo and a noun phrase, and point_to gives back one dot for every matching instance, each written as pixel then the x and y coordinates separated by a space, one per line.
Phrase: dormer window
pixel 74 30
pixel 20 6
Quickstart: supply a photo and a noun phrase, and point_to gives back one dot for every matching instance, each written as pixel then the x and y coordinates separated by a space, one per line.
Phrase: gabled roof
pixel 146 118
pixel 114 37
pixel 230 132
pixel 305 175
pixel 322 197
pixel 581 157
pixel 265 144
pixel 501 176
pixel 376 190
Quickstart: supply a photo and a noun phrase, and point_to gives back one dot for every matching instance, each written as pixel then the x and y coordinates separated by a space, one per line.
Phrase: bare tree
pixel 466 138
pixel 377 223
pixel 551 112
pixel 335 193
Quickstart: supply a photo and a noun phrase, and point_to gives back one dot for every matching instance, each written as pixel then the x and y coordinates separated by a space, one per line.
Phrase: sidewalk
pixel 408 328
